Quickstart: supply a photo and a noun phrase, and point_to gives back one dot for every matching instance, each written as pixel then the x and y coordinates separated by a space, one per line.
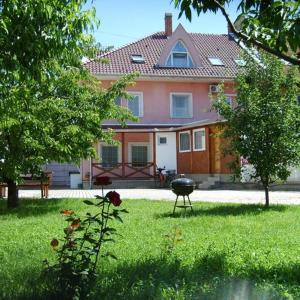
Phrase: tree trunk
pixel 267 195
pixel 12 194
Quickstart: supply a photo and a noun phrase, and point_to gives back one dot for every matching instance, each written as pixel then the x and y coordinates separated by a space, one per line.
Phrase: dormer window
pixel 240 62
pixel 179 57
pixel 137 58
pixel 215 61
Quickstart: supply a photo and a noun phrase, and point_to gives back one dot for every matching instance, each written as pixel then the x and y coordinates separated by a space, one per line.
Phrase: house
pixel 179 72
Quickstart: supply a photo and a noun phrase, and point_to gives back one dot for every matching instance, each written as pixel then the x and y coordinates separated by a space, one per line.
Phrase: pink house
pixel 179 72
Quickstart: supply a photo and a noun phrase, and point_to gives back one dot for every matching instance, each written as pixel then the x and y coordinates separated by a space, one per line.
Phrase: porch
pixel 132 157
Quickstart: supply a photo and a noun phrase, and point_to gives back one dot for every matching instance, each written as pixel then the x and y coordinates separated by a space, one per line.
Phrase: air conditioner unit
pixel 213 88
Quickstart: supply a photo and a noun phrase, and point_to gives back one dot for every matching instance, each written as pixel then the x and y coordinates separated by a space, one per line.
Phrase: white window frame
pixel 130 144
pixel 215 61
pixel 190 100
pixel 231 97
pixel 189 133
pixel 194 143
pixel 119 152
pixel 141 102
pixel 171 57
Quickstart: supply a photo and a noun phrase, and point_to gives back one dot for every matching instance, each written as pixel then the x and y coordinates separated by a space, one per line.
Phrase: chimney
pixel 168 24
pixel 230 31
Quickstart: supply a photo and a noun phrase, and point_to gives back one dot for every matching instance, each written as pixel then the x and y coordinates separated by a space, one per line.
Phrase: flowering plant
pixel 80 249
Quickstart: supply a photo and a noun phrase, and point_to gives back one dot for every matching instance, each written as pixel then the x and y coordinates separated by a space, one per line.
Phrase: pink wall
pixel 156 98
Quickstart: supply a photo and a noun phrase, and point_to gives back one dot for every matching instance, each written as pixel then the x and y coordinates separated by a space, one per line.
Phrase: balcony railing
pixel 124 170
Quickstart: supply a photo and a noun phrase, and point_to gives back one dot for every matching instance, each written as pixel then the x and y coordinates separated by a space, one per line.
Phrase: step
pixel 130 184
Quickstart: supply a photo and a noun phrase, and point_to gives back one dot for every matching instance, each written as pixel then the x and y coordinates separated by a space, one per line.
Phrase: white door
pixel 166 150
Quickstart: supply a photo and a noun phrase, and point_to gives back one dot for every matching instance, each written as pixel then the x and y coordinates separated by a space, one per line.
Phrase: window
pixel 137 58
pixel 118 101
pixel 229 100
pixel 199 139
pixel 162 140
pixel 240 62
pixel 139 156
pixel 109 156
pixel 184 141
pixel 179 57
pixel 299 100
pixel 135 105
pixel 215 61
pixel 181 105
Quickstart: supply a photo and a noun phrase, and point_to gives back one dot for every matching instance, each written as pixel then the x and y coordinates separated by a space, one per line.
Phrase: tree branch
pixel 253 41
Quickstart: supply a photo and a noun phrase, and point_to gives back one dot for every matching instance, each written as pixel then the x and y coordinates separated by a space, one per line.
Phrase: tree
pixel 271 25
pixel 51 108
pixel 264 124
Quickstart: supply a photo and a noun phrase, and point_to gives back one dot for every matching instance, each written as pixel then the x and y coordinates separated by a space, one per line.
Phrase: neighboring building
pixel 179 71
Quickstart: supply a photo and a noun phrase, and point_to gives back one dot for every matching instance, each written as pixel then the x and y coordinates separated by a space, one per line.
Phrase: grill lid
pixel 182 182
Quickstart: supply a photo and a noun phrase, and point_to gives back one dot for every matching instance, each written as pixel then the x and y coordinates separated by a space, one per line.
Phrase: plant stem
pixel 103 225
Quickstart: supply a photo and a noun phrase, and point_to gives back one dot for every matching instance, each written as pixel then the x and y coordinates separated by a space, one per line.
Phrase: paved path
pixel 228 196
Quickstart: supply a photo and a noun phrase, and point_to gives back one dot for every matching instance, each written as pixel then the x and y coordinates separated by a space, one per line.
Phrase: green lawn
pixel 226 250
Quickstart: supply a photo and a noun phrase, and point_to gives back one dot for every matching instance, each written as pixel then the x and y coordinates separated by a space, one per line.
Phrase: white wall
pixel 166 153
pixel 248 169
pixel 295 175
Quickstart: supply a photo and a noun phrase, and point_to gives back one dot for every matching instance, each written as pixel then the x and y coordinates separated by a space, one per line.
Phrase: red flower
pixel 75 224
pixel 114 198
pixel 67 212
pixel 54 243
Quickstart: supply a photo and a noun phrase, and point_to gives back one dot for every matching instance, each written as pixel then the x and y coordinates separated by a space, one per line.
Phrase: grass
pixel 226 250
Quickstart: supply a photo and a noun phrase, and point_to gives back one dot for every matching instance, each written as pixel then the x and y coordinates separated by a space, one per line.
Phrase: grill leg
pixel 190 202
pixel 175 205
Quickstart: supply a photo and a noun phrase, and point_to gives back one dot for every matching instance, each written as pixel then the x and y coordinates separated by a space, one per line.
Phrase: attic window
pixel 240 62
pixel 137 58
pixel 215 61
pixel 179 57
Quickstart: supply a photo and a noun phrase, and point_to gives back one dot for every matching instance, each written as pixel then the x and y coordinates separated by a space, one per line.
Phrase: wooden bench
pixel 28 181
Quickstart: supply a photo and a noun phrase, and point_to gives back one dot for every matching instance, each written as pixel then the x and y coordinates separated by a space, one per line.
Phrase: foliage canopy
pixel 51 108
pixel 273 26
pixel 264 124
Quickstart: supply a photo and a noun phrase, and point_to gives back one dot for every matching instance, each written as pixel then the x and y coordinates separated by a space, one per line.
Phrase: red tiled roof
pixel 208 45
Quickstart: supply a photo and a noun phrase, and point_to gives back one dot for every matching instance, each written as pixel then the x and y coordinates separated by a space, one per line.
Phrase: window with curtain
pixel 199 139
pixel 139 156
pixel 135 105
pixel 179 57
pixel 109 156
pixel 181 106
pixel 118 101
pixel 184 142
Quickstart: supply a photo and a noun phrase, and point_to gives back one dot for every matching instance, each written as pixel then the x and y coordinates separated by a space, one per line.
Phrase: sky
pixel 125 21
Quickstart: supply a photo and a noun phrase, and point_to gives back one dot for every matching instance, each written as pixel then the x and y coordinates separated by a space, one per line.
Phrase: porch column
pixel 207 137
pixel 154 152
pixel 192 150
pixel 123 154
pixel 91 171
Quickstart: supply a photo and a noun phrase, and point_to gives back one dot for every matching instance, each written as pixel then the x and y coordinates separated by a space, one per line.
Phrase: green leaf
pixel 111 255
pixel 88 202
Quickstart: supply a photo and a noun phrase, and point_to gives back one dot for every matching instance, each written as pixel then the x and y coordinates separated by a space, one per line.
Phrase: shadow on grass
pixel 206 279
pixel 30 207
pixel 222 210
pixel 168 278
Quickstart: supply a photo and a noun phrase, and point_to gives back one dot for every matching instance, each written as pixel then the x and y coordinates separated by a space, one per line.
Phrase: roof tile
pixel 208 45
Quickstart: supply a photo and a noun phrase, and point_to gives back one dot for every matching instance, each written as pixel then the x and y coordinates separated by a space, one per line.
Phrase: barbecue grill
pixel 183 187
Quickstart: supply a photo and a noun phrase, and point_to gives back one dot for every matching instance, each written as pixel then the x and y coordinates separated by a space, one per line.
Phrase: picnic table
pixel 29 181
